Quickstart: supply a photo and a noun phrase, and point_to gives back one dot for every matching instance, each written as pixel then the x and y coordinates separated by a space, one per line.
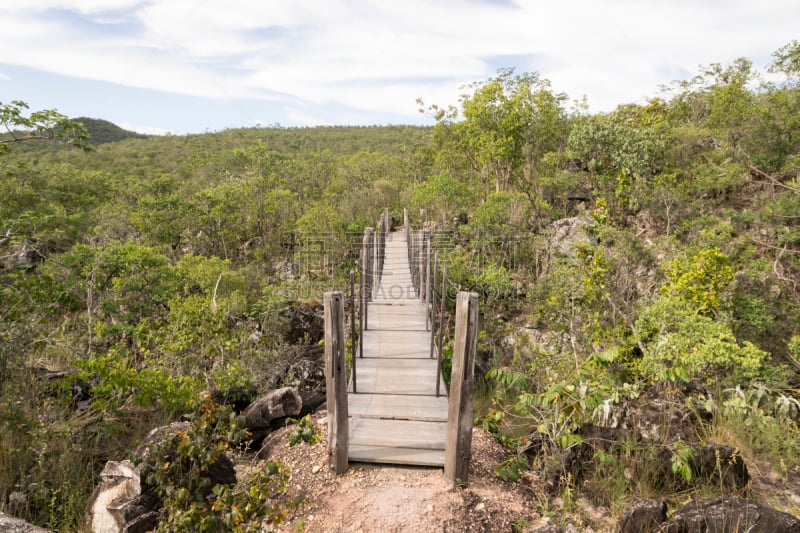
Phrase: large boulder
pixel 643 516
pixel 300 367
pixel 274 405
pixel 10 524
pixel 118 504
pixel 721 466
pixel 567 235
pixel 729 515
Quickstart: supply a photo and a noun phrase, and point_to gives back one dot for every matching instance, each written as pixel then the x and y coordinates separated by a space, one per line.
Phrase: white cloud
pixel 301 118
pixel 376 57
pixel 148 130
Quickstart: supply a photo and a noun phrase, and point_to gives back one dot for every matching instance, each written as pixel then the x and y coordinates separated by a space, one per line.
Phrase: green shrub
pixel 177 467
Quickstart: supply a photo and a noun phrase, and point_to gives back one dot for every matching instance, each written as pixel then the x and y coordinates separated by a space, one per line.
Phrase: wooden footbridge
pixel 391 405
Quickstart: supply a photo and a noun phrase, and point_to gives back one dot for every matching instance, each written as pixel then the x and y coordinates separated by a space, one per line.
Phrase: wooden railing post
pixel 440 330
pixel 422 266
pixel 405 220
pixel 458 444
pixel 336 381
pixel 353 314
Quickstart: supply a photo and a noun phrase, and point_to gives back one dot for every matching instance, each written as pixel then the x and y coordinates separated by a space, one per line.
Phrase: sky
pixel 190 66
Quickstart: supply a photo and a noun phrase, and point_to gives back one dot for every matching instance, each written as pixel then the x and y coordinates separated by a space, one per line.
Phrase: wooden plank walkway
pixel 395 417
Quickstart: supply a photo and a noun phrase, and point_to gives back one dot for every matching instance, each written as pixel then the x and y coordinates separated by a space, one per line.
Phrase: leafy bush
pixel 177 470
pixel 681 343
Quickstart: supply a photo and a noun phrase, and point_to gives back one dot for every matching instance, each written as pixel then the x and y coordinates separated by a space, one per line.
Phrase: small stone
pixel 316 469
pixel 429 508
pixel 480 507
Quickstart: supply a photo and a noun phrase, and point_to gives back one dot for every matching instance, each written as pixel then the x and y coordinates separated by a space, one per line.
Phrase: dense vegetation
pixel 150 269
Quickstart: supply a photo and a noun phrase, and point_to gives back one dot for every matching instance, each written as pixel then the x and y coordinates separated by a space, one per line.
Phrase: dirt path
pixel 375 498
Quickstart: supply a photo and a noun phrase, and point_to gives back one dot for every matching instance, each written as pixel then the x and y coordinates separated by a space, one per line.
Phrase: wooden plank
pixel 398 433
pixel 336 380
pixel 399 292
pixel 402 344
pixel 392 344
pixel 392 318
pixel 396 407
pixel 396 456
pixel 379 378
pixel 459 415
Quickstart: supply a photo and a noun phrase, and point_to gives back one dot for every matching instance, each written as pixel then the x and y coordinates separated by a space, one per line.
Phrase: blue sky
pixel 188 66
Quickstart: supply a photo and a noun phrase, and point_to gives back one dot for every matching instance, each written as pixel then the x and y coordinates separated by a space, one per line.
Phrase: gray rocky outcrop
pixel 276 404
pixel 301 322
pixel 729 515
pixel 643 516
pixel 118 504
pixel 10 524
pixel 543 525
pixel 569 234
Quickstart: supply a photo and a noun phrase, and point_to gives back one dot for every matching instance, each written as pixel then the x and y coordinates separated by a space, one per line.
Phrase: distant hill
pixel 103 131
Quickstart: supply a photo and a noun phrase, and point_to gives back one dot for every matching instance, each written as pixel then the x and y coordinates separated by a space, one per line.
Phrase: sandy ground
pixel 381 498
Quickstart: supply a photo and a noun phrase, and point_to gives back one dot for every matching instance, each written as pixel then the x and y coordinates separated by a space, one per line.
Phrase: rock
pixel 660 415
pixel 285 270
pixel 532 342
pixel 311 402
pixel 142 524
pixel 543 525
pixel 303 322
pixel 278 403
pixel 568 234
pixel 10 524
pixel 159 436
pixel 119 484
pixel 25 256
pixel 118 504
pixel 238 397
pixel 722 466
pixel 712 464
pixel 729 515
pixel 643 516
pixel 301 367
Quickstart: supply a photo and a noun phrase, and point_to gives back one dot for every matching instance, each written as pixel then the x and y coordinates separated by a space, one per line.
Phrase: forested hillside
pixel 646 256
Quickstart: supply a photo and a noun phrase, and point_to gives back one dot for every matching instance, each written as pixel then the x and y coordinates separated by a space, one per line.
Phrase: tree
pixel 720 99
pixel 510 122
pixel 623 150
pixel 442 195
pixel 787 61
pixel 47 124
